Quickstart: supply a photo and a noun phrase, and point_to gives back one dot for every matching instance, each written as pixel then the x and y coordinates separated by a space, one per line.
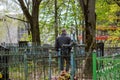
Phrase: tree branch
pixel 83 5
pixel 39 1
pixel 16 2
pixel 25 10
pixel 16 18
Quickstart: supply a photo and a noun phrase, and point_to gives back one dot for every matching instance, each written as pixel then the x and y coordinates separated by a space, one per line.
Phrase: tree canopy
pixel 69 14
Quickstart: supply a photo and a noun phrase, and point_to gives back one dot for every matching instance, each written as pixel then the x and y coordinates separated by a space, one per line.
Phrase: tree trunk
pixel 35 23
pixel 56 20
pixel 32 19
pixel 88 7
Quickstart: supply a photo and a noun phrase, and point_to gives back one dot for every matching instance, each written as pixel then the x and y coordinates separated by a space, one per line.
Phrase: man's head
pixel 64 31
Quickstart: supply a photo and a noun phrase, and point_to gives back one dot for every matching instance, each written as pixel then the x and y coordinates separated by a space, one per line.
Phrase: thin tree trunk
pixel 56 20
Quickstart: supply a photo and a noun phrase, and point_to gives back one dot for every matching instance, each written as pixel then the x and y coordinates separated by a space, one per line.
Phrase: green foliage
pixel 106 16
pixel 106 13
pixel 69 13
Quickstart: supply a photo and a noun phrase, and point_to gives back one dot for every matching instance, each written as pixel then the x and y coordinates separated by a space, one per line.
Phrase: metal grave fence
pixel 106 67
pixel 36 63
pixel 27 63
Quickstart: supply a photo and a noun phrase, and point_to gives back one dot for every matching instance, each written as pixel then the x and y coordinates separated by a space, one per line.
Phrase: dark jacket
pixel 62 39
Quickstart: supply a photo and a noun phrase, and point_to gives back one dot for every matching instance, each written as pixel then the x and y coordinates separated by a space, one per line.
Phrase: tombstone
pixel 23 46
pixel 46 48
pixel 4 63
pixel 100 49
pixel 23 43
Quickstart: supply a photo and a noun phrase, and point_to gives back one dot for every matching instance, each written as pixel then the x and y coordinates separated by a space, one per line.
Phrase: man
pixel 64 39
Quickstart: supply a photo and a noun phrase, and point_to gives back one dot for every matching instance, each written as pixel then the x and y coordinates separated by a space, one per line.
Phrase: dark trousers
pixel 65 56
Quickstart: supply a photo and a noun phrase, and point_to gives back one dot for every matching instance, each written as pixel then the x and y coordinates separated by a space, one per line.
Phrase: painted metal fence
pixel 42 63
pixel 106 68
pixel 36 63
pixel 28 63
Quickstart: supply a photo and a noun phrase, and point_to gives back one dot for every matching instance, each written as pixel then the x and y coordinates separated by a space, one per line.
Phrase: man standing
pixel 64 39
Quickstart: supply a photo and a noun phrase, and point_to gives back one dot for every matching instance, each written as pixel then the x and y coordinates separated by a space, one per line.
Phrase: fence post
pixel 72 66
pixel 59 59
pixel 94 65
pixel 50 66
pixel 26 67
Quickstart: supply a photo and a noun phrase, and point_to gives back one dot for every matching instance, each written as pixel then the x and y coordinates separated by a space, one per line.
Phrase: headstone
pixel 100 49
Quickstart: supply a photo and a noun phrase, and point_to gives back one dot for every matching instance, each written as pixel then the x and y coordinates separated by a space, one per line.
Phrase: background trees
pixel 69 14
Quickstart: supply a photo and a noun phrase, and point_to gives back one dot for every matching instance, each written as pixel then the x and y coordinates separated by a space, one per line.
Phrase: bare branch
pixel 16 19
pixel 17 3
